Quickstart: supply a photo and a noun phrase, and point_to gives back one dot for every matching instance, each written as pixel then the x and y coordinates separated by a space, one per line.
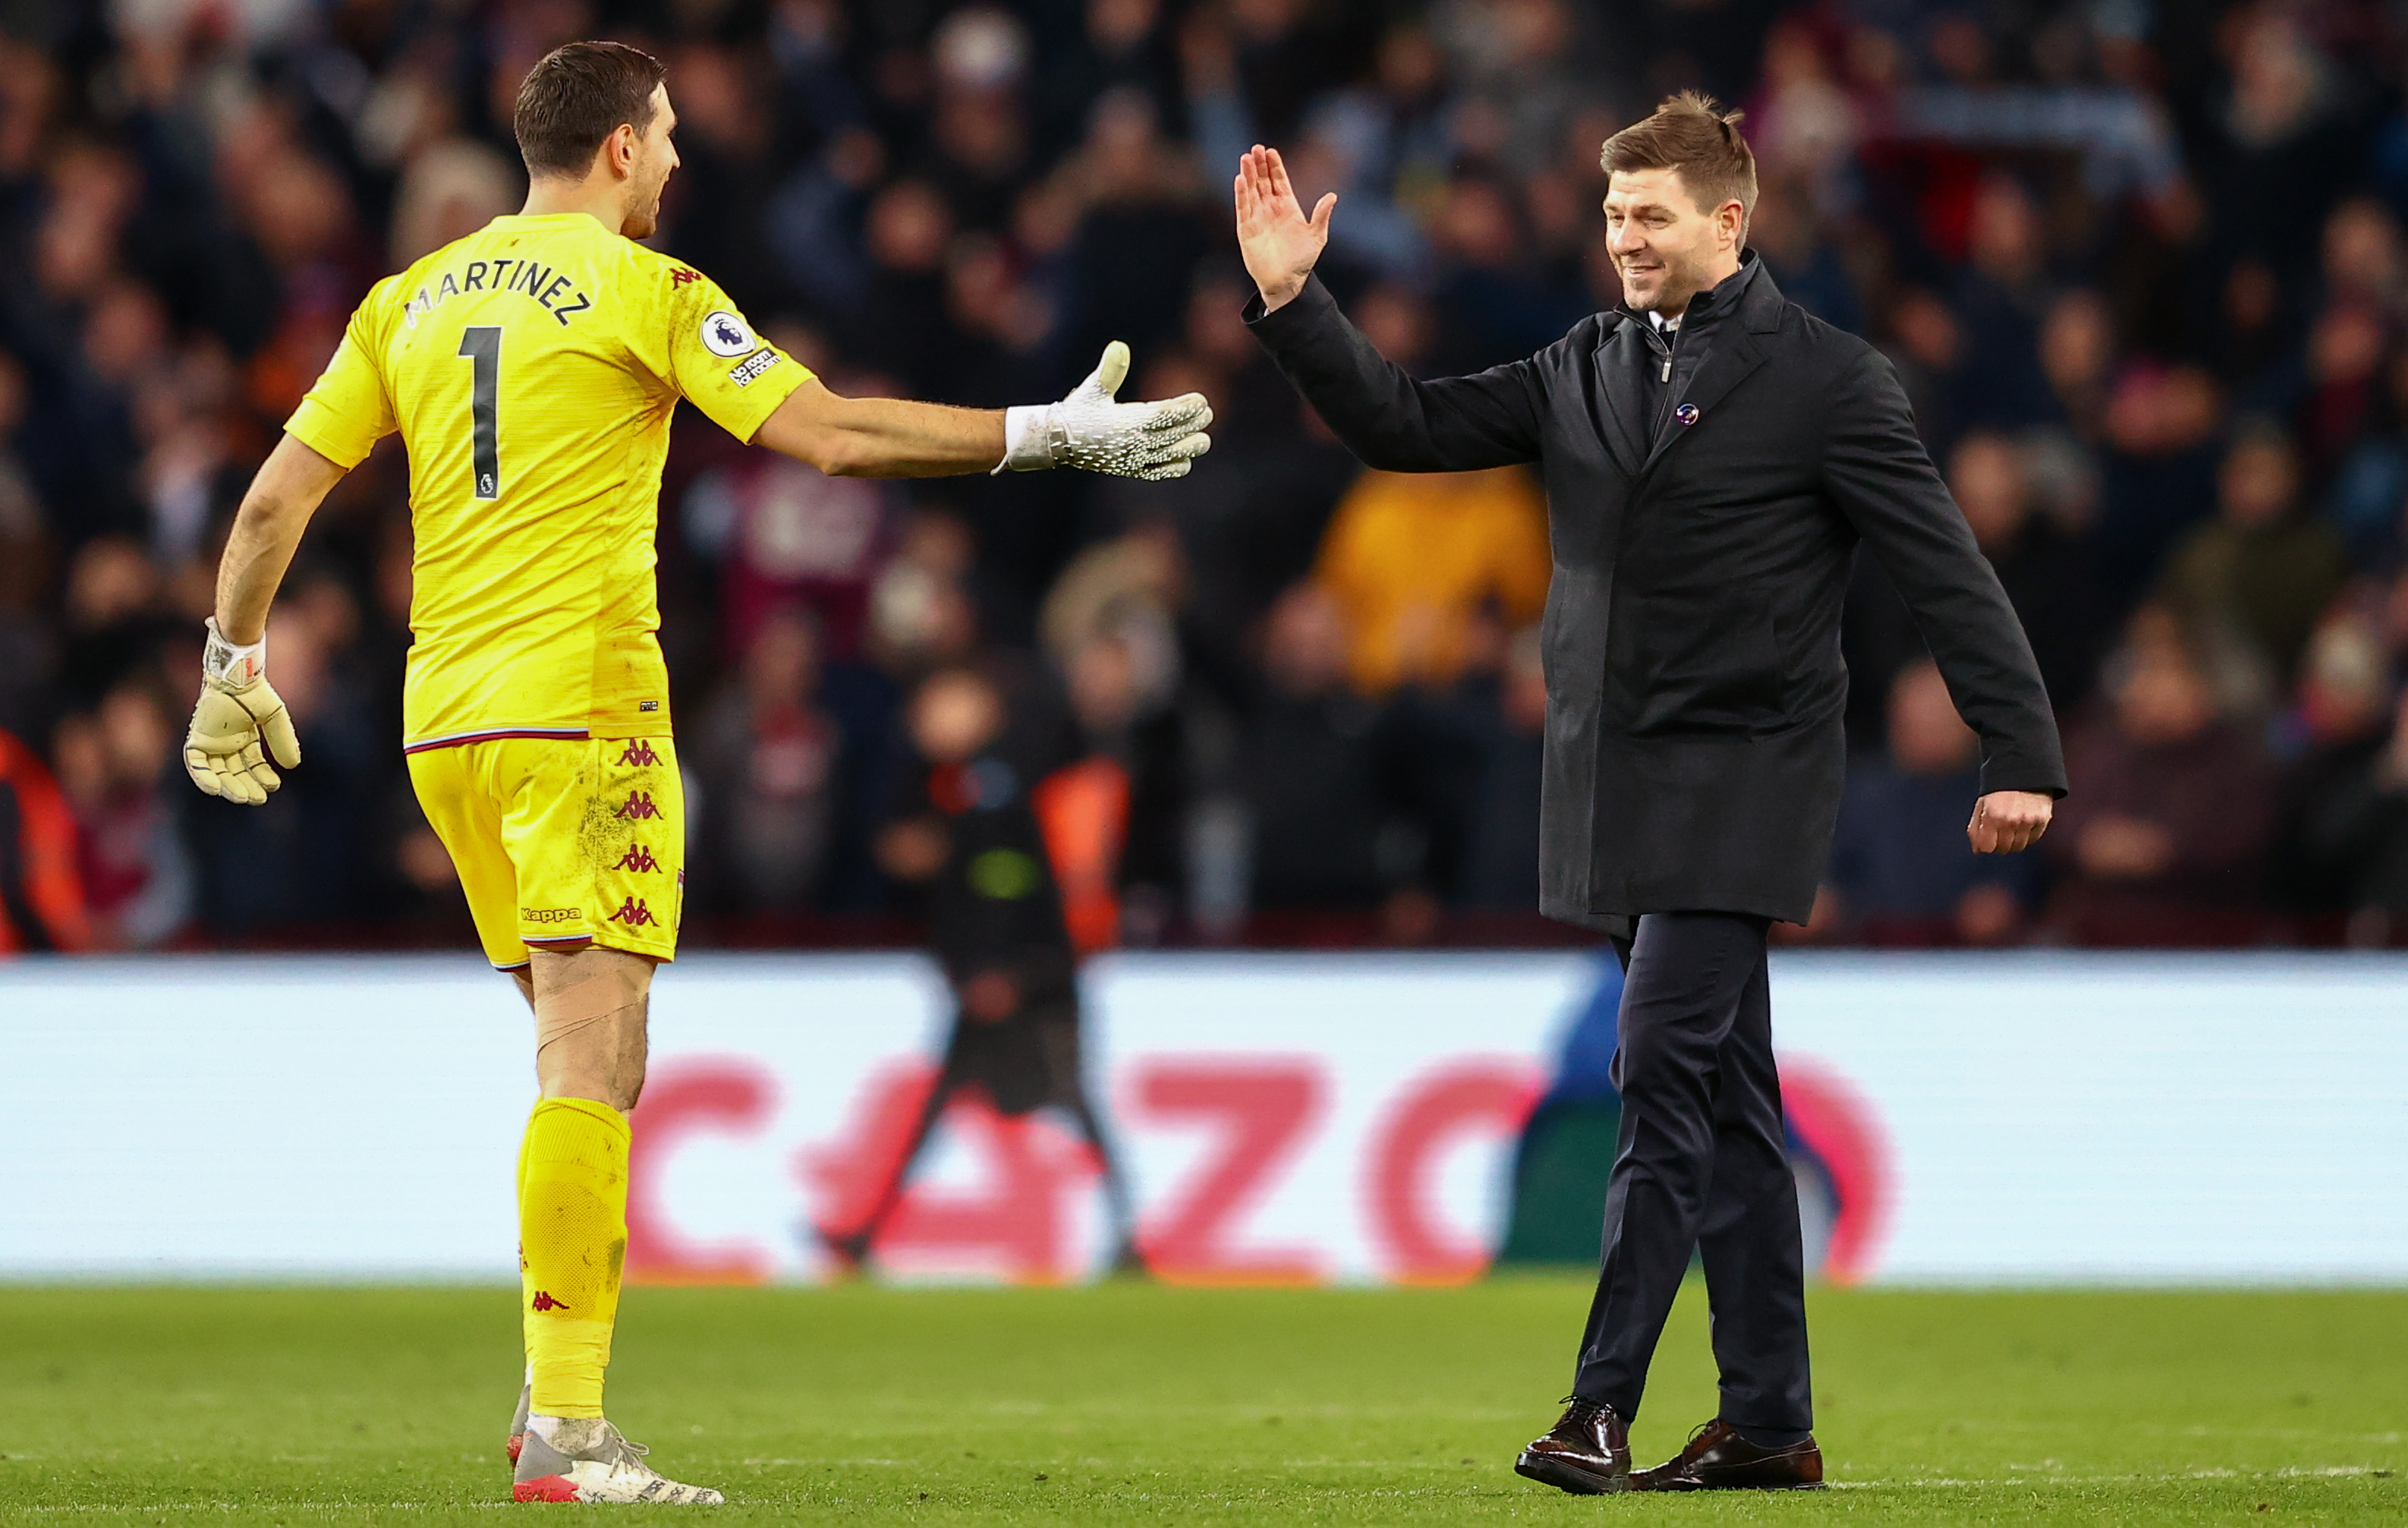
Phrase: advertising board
pixel 1280 1118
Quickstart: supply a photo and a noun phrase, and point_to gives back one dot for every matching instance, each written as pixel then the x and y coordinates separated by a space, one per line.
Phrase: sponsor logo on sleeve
pixel 743 376
pixel 725 335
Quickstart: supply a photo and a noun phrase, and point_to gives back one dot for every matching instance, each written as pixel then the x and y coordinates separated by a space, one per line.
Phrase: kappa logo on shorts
pixel 634 914
pixel 543 1301
pixel 551 915
pixel 639 806
pixel 639 755
pixel 640 860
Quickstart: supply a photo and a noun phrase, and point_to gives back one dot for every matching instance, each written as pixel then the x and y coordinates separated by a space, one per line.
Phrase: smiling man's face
pixel 1666 247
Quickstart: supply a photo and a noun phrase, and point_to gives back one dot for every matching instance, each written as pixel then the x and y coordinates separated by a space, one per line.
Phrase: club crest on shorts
pixel 724 334
pixel 1686 414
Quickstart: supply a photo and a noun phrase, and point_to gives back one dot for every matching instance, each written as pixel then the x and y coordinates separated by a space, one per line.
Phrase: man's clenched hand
pixel 238 724
pixel 2005 821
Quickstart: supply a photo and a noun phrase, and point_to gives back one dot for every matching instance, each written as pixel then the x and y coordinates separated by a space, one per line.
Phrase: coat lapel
pixel 1735 355
pixel 1616 371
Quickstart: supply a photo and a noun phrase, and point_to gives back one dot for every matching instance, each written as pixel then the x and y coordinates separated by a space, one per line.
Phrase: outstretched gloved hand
pixel 238 724
pixel 1090 430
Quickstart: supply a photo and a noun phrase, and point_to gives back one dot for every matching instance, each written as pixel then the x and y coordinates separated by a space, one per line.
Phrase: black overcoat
pixel 1694 750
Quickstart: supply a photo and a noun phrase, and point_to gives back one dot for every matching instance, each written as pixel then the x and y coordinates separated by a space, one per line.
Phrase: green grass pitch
pixel 1135 1404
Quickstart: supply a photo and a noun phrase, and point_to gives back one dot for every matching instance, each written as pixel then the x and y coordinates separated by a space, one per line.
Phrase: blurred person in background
pixel 1901 873
pixel 1111 630
pixel 1797 248
pixel 2172 807
pixel 2367 496
pixel 766 757
pixel 1324 773
pixel 1999 299
pixel 1137 239
pixel 2261 570
pixel 1925 345
pixel 970 837
pixel 1122 45
pixel 2354 837
pixel 2340 727
pixel 1409 557
pixel 787 536
pixel 115 765
pixel 2159 467
pixel 306 856
pixel 2284 141
pixel 112 619
pixel 2077 353
pixel 2050 576
pixel 902 325
pixel 41 894
pixel 1499 714
pixel 977 147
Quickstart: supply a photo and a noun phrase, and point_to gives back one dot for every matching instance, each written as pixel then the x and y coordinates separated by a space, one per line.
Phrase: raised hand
pixel 1279 242
pixel 1094 430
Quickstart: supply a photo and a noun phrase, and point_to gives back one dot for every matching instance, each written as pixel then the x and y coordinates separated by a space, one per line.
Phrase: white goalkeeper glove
pixel 1088 429
pixel 238 724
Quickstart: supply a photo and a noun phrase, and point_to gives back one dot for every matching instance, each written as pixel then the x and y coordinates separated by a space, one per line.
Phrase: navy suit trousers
pixel 1702 1164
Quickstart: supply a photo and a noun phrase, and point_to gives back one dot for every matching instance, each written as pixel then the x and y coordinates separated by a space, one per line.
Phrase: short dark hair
pixel 1690 133
pixel 576 97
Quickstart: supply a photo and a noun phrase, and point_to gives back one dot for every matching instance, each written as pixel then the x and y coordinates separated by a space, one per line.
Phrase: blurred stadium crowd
pixel 2141 267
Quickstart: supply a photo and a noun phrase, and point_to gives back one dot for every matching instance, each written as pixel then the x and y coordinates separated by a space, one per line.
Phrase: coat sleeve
pixel 1876 471
pixel 1389 418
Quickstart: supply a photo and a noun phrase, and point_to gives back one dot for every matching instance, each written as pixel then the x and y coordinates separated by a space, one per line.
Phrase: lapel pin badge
pixel 1686 414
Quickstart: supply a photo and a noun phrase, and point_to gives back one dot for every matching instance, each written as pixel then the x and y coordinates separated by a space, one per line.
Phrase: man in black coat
pixel 1713 456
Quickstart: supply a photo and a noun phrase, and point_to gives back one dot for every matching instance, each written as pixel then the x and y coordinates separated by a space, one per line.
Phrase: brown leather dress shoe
pixel 1587 1453
pixel 1718 1458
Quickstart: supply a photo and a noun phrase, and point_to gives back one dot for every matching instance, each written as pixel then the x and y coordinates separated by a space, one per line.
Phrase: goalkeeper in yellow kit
pixel 532 369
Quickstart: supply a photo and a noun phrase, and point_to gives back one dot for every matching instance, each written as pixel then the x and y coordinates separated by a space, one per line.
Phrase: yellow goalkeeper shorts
pixel 561 840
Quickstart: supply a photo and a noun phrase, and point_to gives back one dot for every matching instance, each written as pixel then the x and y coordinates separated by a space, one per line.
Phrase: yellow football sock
pixel 526 1280
pixel 572 1245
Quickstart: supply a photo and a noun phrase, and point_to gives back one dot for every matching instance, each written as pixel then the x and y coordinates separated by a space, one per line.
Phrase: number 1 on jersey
pixel 480 345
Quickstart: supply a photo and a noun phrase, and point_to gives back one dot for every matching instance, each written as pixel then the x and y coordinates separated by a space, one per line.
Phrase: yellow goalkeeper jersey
pixel 532 369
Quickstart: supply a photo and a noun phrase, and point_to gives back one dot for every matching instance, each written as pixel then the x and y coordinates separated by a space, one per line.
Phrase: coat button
pixel 1686 414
